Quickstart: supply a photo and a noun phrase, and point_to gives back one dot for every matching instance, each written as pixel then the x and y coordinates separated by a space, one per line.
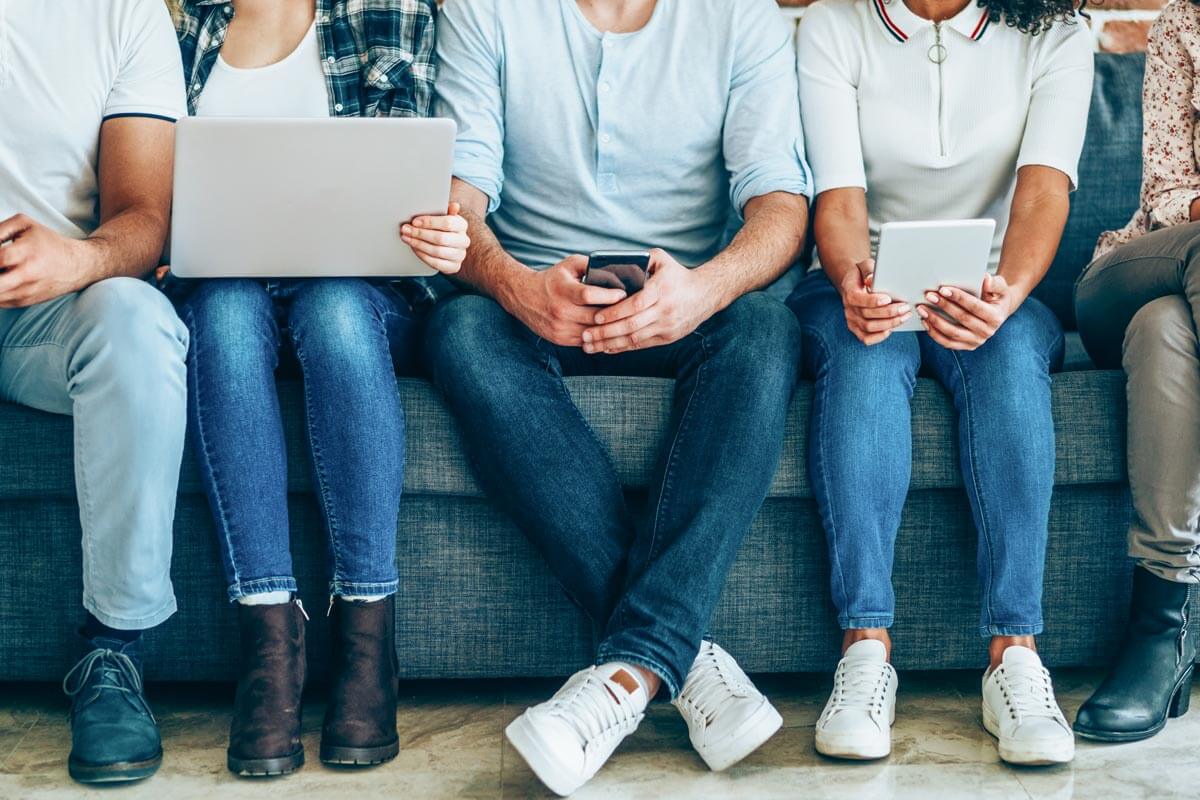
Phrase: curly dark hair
pixel 1034 16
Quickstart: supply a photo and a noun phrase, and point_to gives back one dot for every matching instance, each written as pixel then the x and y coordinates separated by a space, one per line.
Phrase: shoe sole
pixel 121 772
pixel 1029 756
pixel 850 748
pixel 745 740
pixel 1175 709
pixel 265 767
pixel 525 742
pixel 359 756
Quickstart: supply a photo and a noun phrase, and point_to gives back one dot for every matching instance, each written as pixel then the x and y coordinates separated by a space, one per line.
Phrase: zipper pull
pixel 938 52
pixel 329 611
pixel 300 605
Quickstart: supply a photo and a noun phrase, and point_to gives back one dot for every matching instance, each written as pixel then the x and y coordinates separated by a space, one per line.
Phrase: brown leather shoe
pixel 360 720
pixel 264 738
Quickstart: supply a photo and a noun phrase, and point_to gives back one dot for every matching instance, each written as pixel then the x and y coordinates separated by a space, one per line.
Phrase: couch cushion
pixel 625 413
pixel 1110 176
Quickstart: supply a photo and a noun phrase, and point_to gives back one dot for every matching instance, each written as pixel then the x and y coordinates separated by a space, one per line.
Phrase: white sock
pixel 354 598
pixel 266 598
pixel 640 697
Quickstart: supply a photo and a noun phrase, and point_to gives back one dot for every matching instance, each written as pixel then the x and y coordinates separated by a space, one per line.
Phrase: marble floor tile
pixel 453 747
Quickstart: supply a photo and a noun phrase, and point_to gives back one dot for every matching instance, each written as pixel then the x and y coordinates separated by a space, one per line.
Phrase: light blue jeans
pixel 112 356
pixel 860 453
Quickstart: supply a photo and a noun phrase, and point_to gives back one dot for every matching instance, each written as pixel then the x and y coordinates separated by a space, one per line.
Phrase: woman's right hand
pixel 871 316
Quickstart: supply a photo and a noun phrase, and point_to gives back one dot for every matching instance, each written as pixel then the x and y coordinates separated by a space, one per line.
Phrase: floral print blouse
pixel 1171 146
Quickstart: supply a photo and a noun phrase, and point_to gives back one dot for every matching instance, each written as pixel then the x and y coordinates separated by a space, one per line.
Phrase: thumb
pixel 994 285
pixel 454 210
pixel 576 265
pixel 866 272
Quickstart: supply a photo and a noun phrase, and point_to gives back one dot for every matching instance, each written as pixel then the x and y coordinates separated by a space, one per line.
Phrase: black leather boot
pixel 1152 679
pixel 264 738
pixel 360 720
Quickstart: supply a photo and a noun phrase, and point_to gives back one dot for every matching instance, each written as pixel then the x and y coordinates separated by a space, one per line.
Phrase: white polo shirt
pixel 930 141
pixel 65 67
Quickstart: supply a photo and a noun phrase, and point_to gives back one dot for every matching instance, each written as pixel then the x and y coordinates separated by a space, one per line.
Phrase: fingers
pixel 444 266
pixel 432 236
pixel 890 311
pixel 14 226
pixel 948 334
pixel 13 288
pixel 634 304
pixel 582 294
pixel 576 266
pixel 965 318
pixel 12 255
pixel 451 222
pixel 436 251
pixel 650 336
pixel 628 328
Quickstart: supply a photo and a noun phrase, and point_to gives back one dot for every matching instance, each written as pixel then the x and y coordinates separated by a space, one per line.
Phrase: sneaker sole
pixel 1042 756
pixel 121 772
pixel 265 767
pixel 749 737
pixel 525 741
pixel 359 756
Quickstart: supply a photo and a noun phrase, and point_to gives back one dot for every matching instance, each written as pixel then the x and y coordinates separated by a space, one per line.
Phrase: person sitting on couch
pixel 269 58
pixel 1138 305
pixel 599 124
pixel 938 110
pixel 85 192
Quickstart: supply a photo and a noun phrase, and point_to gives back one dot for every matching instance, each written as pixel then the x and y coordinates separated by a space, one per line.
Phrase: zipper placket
pixel 940 49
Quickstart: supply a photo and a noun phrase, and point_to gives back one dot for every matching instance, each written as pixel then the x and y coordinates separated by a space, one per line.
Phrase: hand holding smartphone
pixel 618 269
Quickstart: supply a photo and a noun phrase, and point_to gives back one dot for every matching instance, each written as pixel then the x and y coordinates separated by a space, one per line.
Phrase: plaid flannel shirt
pixel 378 58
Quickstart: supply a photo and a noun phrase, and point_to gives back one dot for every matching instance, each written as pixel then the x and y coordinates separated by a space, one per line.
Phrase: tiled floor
pixel 453 746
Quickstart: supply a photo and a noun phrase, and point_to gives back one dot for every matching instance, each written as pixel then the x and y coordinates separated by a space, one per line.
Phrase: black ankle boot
pixel 264 738
pixel 114 737
pixel 360 720
pixel 1152 679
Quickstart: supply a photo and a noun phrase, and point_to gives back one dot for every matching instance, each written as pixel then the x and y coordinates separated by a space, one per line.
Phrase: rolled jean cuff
pixel 1174 574
pixel 670 681
pixel 261 586
pixel 352 589
pixel 988 631
pixel 127 623
pixel 862 623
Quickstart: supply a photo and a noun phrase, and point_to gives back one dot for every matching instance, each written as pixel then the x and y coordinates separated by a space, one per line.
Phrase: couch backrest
pixel 1110 176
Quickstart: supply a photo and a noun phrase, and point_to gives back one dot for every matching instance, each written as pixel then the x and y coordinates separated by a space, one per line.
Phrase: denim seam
pixel 277 583
pixel 339 588
pixel 204 445
pixel 983 524
pixel 318 462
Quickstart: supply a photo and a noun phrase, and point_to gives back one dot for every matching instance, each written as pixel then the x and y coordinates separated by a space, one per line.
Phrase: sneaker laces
pixel 1028 691
pixel 860 685
pixel 715 682
pixel 593 711
pixel 114 671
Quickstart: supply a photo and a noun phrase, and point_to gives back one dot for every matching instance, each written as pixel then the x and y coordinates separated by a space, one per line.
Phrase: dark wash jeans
pixel 860 453
pixel 343 333
pixel 648 580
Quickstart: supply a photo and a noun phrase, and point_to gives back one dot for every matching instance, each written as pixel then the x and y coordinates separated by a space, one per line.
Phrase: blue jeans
pixel 111 356
pixel 860 453
pixel 343 333
pixel 648 579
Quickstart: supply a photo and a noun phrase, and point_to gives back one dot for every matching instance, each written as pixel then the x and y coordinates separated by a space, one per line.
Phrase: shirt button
pixel 228 10
pixel 337 107
pixel 606 138
pixel 331 60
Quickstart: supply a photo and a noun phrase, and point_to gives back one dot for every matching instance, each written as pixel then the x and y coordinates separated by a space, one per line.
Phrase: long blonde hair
pixel 175 7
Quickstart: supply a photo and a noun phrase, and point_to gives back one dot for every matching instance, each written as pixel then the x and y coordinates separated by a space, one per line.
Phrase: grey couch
pixel 478 602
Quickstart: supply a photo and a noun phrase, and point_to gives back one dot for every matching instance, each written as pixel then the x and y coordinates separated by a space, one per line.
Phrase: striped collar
pixel 899 22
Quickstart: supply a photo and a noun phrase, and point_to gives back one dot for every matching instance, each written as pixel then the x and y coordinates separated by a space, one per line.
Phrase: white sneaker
pixel 1019 709
pixel 857 721
pixel 568 738
pixel 727 718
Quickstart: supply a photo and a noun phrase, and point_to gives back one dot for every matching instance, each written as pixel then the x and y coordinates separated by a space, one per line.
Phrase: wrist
pixel 513 289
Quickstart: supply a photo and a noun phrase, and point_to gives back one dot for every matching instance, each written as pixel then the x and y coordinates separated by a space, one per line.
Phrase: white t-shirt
pixel 65 67
pixel 929 143
pixel 291 88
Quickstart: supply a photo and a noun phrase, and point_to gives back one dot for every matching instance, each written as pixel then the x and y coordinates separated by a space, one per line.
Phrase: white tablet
pixel 916 257
pixel 302 198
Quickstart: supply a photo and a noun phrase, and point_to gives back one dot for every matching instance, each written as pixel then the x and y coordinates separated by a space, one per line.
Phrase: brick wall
pixel 1120 26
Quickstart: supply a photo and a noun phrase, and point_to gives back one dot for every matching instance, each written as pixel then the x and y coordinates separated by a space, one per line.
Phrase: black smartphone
pixel 615 269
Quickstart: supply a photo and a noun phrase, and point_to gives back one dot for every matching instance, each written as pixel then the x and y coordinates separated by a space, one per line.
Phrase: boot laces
pixel 716 681
pixel 593 711
pixel 860 685
pixel 114 671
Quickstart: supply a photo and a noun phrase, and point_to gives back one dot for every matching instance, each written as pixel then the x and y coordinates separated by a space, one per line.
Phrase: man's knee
pixel 466 328
pixel 132 327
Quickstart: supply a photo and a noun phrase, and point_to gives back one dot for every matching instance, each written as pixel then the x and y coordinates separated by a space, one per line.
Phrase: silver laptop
pixel 305 198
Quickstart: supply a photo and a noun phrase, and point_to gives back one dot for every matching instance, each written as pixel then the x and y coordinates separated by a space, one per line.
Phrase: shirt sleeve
pixel 1171 181
pixel 763 144
pixel 149 80
pixel 469 92
pixel 828 72
pixel 1061 97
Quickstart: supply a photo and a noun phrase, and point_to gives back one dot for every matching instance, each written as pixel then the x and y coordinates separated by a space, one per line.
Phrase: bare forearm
pixel 766 247
pixel 1034 232
pixel 488 267
pixel 842 232
pixel 130 244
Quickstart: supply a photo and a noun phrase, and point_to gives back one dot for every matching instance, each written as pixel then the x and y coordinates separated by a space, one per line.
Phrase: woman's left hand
pixel 977 318
pixel 440 242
